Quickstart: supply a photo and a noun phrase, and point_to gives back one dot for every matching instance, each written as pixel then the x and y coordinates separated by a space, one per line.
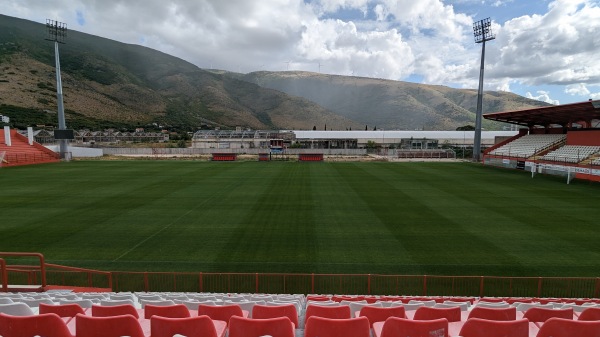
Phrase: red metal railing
pixel 43 273
pixel 365 284
pixel 3 275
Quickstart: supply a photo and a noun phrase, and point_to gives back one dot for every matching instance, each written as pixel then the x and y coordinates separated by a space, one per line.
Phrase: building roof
pixel 381 135
pixel 542 116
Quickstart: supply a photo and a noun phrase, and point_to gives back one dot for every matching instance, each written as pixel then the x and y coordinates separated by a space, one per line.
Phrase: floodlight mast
pixel 57 32
pixel 483 32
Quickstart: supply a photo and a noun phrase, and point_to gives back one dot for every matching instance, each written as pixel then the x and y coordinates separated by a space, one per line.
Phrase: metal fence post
pixel 200 283
pixel 146 287
pixel 481 286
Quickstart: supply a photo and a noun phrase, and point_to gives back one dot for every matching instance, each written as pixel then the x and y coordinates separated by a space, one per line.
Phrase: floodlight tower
pixel 57 32
pixel 483 32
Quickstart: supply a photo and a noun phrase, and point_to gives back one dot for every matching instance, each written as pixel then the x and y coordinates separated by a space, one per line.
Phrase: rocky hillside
pixel 107 83
pixel 390 104
pixel 112 84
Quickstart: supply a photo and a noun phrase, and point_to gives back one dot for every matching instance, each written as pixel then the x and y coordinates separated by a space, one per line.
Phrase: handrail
pixel 84 270
pixel 38 255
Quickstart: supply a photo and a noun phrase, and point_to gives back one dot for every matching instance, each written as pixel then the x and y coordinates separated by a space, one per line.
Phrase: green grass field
pixel 391 218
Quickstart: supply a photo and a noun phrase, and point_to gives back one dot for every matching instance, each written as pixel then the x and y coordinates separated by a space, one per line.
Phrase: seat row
pixel 427 321
pixel 571 153
pixel 528 145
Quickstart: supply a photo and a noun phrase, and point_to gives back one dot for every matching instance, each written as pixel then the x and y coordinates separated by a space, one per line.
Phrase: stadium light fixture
pixel 57 32
pixel 482 30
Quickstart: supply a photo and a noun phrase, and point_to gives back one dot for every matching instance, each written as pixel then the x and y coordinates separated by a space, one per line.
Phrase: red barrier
pixel 310 157
pixel 224 157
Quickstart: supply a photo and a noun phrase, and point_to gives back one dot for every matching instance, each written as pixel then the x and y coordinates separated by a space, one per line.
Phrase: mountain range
pixel 111 84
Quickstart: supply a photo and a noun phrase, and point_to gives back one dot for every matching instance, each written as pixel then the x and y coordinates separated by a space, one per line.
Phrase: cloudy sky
pixel 544 49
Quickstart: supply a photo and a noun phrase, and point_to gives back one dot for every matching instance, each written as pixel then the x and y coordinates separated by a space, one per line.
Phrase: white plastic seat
pixel 116 302
pixel 464 306
pixel 356 306
pixel 157 303
pixel 16 309
pixel 6 300
pixel 34 303
pixel 82 303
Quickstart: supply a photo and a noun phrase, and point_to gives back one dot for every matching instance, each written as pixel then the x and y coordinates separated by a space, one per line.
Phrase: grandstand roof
pixel 558 114
pixel 393 134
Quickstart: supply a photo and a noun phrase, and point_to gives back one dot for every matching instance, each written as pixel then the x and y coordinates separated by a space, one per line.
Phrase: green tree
pixel 467 127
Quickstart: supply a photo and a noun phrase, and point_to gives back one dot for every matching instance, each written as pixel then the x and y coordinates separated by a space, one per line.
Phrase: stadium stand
pixel 529 145
pixel 381 318
pixel 571 153
pixel 21 153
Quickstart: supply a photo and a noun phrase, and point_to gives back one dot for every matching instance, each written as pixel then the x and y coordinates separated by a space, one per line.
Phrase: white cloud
pixel 388 38
pixel 579 89
pixel 595 95
pixel 543 96
pixel 559 47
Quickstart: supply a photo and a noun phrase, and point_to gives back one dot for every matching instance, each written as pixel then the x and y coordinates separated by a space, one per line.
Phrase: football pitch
pixel 387 218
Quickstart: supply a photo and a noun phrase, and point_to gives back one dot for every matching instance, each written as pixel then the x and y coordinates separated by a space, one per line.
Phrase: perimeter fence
pixel 36 271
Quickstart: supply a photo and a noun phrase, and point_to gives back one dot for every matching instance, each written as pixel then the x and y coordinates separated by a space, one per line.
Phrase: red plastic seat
pixel 62 310
pixel 494 314
pixel 199 326
pixel 255 327
pixel 348 298
pixel 338 312
pixel 378 314
pixel 330 327
pixel 536 314
pixel 561 327
pixel 220 313
pixel 317 298
pixel 112 326
pixel 47 325
pixel 115 310
pixel 590 314
pixel 402 327
pixel 172 311
pixel 268 311
pixel 428 313
pixel 477 327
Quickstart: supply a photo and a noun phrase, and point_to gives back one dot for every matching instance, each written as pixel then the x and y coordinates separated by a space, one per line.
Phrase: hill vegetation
pixel 391 104
pixel 112 84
